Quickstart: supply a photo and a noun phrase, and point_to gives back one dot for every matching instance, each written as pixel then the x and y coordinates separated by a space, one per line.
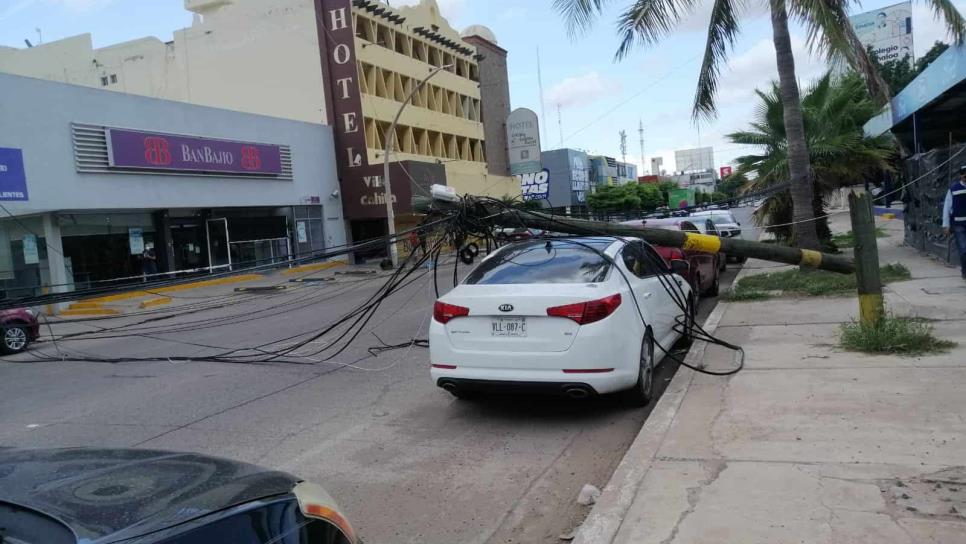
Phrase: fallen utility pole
pixel 871 305
pixel 661 237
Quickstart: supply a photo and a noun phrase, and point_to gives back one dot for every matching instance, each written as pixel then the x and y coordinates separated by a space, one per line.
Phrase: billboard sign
pixel 888 31
pixel 680 198
pixel 534 185
pixel 725 171
pixel 523 141
pixel 13 180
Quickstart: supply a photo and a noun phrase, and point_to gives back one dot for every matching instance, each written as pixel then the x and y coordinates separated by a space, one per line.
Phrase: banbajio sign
pixel 361 183
pixel 159 151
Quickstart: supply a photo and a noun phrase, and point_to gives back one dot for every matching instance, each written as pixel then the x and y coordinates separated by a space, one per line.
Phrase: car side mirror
pixel 680 267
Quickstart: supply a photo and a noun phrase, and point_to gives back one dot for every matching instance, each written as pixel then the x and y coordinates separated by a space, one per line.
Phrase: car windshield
pixel 544 261
pixel 722 220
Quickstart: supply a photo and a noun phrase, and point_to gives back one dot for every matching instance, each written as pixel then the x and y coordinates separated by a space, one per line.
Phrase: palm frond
pixel 647 21
pixel 954 19
pixel 831 34
pixel 579 15
pixel 722 33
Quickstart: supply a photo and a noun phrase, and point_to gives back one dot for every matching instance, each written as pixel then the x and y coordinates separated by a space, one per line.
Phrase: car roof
pixel 105 495
pixel 666 222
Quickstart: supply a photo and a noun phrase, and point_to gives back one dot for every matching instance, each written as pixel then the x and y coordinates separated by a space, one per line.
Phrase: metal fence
pixel 924 201
pixel 269 250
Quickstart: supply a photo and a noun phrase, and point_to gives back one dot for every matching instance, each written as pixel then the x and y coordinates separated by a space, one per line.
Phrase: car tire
pixel 690 320
pixel 715 286
pixel 643 390
pixel 15 339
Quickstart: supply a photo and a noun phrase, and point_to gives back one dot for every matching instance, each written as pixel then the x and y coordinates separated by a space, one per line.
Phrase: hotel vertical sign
pixel 363 195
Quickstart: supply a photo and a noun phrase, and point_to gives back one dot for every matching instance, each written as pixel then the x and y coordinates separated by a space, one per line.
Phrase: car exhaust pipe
pixel 449 386
pixel 577 393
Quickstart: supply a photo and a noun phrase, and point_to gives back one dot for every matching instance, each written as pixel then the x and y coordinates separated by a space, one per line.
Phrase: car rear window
pixel 556 261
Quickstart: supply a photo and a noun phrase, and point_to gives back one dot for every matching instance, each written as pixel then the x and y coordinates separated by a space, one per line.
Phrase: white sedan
pixel 575 316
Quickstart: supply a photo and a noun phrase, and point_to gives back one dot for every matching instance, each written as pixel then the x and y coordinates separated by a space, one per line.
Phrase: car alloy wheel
pixel 14 339
pixel 643 390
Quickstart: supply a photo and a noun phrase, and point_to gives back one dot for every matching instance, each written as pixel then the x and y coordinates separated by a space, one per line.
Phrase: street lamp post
pixel 390 215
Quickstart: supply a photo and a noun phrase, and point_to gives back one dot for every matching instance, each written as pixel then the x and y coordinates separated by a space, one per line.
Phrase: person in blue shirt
pixel 954 215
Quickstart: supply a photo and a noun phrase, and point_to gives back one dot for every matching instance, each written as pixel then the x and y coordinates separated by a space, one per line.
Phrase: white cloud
pixel 756 68
pixel 581 90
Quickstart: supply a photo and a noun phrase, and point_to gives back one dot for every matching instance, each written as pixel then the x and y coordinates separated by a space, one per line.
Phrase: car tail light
pixel 443 312
pixel 587 312
pixel 332 516
pixel 444 367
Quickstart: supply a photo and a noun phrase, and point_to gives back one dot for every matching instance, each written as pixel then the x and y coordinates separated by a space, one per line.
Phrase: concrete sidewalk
pixel 808 443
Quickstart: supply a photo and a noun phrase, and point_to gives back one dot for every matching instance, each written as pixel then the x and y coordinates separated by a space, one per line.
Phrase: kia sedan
pixel 577 316
pixel 100 496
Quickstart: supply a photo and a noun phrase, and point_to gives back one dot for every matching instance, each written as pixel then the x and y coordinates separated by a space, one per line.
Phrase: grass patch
pixel 739 294
pixel 847 239
pixel 812 282
pixel 893 335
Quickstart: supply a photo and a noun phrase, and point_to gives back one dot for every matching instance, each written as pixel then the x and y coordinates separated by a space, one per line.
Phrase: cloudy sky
pixel 595 96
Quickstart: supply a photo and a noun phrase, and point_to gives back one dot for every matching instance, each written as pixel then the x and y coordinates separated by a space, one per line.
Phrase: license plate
pixel 509 326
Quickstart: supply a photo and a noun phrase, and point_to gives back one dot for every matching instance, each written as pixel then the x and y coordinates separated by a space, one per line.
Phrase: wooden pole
pixel 871 305
pixel 667 238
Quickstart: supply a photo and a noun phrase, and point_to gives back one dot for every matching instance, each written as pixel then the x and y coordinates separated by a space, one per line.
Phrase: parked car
pixel 97 496
pixel 704 271
pixel 515 234
pixel 726 225
pixel 707 226
pixel 19 327
pixel 578 316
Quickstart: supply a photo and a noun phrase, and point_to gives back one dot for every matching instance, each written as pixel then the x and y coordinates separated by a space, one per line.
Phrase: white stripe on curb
pixel 604 521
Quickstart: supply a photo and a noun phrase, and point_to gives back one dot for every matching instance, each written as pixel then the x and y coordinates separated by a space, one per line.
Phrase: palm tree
pixel 645 22
pixel 833 114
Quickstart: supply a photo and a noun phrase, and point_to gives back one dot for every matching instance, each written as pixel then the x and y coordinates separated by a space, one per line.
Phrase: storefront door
pixel 186 238
pixel 218 254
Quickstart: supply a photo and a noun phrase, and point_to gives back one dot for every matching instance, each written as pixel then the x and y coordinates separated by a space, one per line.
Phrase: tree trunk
pixel 802 189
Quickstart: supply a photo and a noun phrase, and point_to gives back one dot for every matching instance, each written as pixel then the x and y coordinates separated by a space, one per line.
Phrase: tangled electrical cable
pixel 685 324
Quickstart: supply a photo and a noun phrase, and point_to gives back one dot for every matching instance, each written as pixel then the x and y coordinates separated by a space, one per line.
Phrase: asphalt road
pixel 408 462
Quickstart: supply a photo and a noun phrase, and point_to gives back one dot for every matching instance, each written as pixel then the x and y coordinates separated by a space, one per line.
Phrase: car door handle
pixel 646 295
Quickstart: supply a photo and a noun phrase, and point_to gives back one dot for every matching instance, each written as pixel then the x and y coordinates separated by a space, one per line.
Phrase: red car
pixel 18 328
pixel 704 272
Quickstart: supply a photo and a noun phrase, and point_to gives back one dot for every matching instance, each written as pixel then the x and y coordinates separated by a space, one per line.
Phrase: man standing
pixel 954 215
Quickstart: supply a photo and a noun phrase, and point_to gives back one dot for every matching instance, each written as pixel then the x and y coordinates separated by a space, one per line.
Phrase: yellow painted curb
pixel 313 267
pixel 90 311
pixel 154 302
pixel 174 288
pixel 888 216
pixel 84 305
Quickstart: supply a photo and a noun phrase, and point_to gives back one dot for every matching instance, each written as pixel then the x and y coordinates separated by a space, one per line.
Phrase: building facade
pixel 569 177
pixel 347 63
pixel 103 176
pixel 494 96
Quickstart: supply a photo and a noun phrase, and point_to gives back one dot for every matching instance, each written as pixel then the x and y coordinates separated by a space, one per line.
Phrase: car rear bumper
pixel 547 381
pixel 574 389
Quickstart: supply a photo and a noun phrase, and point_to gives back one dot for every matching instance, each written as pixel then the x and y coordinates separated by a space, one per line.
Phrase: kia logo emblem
pixel 506 307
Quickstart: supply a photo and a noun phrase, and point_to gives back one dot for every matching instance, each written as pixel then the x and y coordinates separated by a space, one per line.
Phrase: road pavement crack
pixel 715 468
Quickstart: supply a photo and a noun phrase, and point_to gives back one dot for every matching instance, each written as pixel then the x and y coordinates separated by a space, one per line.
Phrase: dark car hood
pixel 105 495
